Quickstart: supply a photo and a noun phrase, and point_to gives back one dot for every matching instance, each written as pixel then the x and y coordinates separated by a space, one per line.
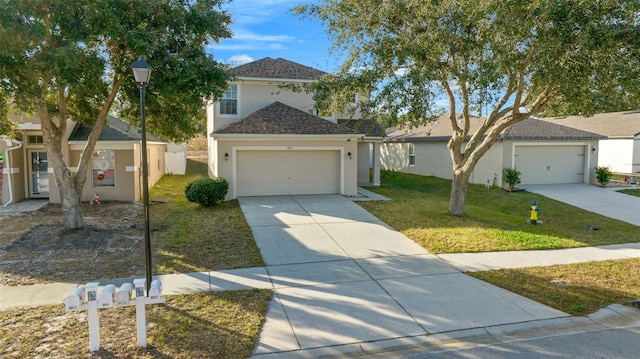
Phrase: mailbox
pixel 139 284
pixel 73 301
pixel 123 295
pixel 155 289
pixel 107 296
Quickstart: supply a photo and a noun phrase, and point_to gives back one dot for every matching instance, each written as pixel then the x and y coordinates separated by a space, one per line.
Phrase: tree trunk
pixel 71 208
pixel 459 192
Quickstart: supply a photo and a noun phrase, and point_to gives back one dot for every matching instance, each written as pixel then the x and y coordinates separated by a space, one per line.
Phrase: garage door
pixel 266 173
pixel 550 164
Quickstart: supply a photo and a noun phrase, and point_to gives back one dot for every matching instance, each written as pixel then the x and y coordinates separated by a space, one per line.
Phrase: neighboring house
pixel 545 153
pixel 267 140
pixel 114 171
pixel 620 150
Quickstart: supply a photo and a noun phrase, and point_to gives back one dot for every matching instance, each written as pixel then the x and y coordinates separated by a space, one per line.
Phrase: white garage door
pixel 550 164
pixel 267 173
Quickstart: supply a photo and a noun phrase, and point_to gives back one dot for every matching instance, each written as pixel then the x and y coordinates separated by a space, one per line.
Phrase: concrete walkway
pixel 346 284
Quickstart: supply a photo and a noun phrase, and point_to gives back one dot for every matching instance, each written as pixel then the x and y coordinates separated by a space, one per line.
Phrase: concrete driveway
pixel 604 201
pixel 344 280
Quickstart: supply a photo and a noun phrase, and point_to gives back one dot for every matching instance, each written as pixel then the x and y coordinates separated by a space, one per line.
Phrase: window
pixel 229 101
pixel 104 168
pixel 35 139
pixel 412 154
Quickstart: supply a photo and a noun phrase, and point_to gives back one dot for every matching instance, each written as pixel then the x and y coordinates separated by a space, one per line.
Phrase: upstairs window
pixel 229 101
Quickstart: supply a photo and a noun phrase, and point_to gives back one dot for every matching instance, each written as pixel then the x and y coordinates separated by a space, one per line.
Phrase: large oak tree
pixel 509 58
pixel 71 59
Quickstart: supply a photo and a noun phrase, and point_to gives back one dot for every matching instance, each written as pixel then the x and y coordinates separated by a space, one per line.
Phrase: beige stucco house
pixel 544 152
pixel 114 172
pixel 268 140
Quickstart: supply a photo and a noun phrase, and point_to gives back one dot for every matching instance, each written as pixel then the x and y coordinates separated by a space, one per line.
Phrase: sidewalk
pixel 346 284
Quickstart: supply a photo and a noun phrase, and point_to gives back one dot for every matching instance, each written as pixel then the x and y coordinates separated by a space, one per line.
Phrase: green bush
pixel 603 175
pixel 207 191
pixel 511 176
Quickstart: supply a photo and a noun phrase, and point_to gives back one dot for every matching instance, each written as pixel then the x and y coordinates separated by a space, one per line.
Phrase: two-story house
pixel 268 140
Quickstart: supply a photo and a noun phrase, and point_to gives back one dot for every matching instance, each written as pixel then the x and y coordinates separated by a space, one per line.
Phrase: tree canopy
pixel 509 58
pixel 71 59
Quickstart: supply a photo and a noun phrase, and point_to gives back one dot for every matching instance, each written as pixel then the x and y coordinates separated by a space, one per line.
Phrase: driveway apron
pixel 603 201
pixel 342 278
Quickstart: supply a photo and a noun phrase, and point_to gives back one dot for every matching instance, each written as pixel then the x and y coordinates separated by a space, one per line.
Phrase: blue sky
pixel 268 28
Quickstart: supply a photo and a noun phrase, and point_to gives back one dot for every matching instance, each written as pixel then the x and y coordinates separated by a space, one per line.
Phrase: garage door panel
pixel 262 173
pixel 550 164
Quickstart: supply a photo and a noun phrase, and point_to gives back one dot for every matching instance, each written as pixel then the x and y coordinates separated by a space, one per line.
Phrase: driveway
pixel 344 280
pixel 603 201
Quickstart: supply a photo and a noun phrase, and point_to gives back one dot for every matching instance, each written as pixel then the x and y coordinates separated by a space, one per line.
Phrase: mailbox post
pixel 110 298
pixel 94 325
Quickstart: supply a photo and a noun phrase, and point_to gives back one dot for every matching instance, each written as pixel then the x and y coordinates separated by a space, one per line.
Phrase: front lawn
pixel 204 325
pixel 190 238
pixel 631 191
pixel 576 289
pixel 495 220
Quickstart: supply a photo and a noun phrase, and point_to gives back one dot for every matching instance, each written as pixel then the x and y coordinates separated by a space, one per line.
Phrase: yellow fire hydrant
pixel 533 212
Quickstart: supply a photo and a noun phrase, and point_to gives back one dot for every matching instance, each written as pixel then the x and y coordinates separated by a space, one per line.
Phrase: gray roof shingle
pixel 113 130
pixel 534 129
pixel 529 129
pixel 369 127
pixel 611 124
pixel 280 119
pixel 276 69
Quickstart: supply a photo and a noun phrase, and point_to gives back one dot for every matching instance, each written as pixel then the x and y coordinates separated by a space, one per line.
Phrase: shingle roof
pixel 370 128
pixel 280 119
pixel 612 124
pixel 529 129
pixel 114 130
pixel 534 129
pixel 276 69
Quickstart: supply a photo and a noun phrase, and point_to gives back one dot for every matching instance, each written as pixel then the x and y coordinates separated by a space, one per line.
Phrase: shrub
pixel 511 177
pixel 207 191
pixel 387 175
pixel 603 175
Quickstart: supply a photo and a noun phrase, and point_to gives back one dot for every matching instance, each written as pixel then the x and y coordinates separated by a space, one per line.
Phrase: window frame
pixel 226 101
pixel 412 154
pixel 103 163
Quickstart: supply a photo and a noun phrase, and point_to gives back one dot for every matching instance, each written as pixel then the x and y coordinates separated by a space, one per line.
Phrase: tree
pixel 71 59
pixel 510 57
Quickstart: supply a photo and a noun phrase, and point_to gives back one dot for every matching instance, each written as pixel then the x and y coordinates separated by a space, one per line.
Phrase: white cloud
pixel 250 36
pixel 236 60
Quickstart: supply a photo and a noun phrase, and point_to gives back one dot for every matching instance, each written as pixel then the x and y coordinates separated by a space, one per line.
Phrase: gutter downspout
pixel 7 165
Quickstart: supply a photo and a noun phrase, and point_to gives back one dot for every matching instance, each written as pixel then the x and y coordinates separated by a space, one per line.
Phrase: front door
pixel 39 175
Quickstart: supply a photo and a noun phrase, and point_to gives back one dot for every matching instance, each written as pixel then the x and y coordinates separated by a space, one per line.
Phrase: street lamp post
pixel 142 74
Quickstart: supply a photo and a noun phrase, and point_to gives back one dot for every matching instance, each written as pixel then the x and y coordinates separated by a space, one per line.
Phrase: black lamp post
pixel 142 74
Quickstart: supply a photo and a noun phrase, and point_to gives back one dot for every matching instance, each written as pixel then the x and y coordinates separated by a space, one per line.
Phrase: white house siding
pixel 618 154
pixel 432 158
pixel 636 155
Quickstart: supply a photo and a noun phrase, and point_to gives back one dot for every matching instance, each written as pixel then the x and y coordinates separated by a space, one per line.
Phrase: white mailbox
pixel 73 301
pixel 107 296
pixel 155 289
pixel 123 295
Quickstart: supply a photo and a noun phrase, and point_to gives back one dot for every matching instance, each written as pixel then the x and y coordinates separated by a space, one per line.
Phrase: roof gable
pixel 276 69
pixel 280 119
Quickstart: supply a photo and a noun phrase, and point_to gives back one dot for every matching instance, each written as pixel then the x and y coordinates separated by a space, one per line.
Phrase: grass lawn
pixel 631 191
pixel 205 325
pixel 190 238
pixel 494 220
pixel 577 289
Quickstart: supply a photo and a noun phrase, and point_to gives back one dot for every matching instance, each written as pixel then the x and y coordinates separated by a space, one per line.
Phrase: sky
pixel 268 28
